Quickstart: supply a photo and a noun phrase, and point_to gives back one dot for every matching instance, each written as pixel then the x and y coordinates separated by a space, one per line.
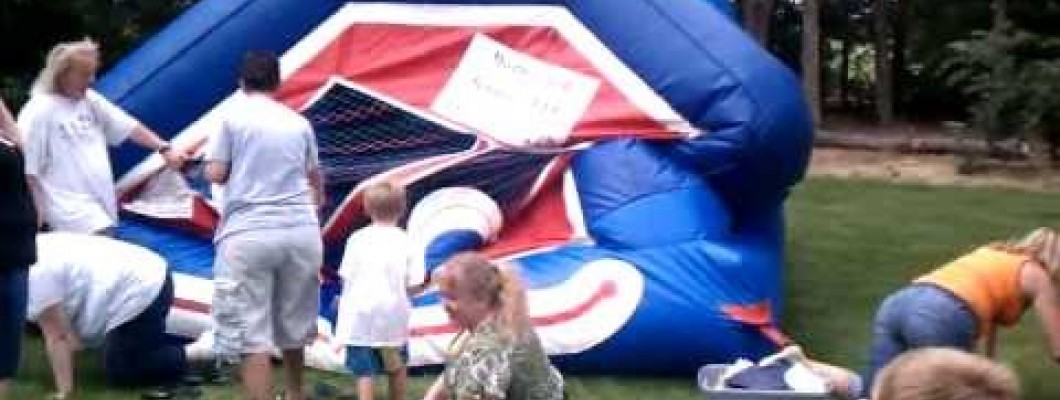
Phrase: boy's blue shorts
pixel 364 361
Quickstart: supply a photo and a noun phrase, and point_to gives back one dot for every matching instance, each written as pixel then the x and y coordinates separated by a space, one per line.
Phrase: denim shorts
pixel 364 361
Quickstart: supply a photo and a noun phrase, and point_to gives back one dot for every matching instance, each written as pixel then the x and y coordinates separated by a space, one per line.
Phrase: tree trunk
pixel 811 56
pixel 757 17
pixel 884 83
pixel 899 77
pixel 1000 13
pixel 844 73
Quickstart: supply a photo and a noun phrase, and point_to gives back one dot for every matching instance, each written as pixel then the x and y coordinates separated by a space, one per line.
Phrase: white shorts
pixel 266 292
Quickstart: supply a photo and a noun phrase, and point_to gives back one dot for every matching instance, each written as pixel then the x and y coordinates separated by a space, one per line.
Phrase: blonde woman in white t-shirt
pixel 68 127
pixel 379 276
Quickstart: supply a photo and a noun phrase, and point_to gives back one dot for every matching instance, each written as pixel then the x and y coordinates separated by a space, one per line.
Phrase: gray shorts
pixel 266 291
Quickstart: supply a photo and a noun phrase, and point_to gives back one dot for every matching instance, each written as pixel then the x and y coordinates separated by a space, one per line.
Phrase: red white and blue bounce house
pixel 649 229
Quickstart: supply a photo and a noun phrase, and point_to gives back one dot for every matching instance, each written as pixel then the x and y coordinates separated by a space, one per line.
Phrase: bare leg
pixel 294 366
pixel 4 386
pixel 397 384
pixel 365 388
pixel 257 377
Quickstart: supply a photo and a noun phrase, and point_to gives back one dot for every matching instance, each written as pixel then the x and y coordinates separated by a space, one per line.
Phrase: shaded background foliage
pixel 32 27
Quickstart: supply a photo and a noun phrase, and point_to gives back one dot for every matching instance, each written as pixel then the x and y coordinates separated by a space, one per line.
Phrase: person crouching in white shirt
pixel 95 291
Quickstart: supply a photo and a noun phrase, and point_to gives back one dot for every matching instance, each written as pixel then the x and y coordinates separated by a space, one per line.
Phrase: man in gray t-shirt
pixel 268 243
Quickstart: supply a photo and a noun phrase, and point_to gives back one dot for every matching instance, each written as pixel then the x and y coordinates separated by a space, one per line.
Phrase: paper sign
pixel 513 97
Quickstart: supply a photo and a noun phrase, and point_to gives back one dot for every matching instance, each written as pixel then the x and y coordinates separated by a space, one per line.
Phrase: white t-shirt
pixel 100 282
pixel 377 269
pixel 269 150
pixel 66 150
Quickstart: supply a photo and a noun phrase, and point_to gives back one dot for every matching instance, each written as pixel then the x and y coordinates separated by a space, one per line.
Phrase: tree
pixel 884 61
pixel 844 31
pixel 1013 78
pixel 811 56
pixel 757 18
pixel 35 26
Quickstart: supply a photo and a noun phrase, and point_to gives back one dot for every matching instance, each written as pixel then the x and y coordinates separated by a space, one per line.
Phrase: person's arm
pixel 36 155
pixel 416 290
pixel 419 280
pixel 36 192
pixel 990 343
pixel 60 342
pixel 217 172
pixel 840 381
pixel 1044 293
pixel 150 140
pixel 8 128
pixel 218 152
pixel 316 182
pixel 437 390
pixel 313 171
pixel 118 125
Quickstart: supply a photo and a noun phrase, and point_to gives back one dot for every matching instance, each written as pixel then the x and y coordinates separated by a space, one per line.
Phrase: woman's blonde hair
pixel 945 374
pixel 1041 244
pixel 59 59
pixel 497 286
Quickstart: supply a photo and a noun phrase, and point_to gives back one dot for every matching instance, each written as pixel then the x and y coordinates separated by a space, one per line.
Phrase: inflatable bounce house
pixel 632 157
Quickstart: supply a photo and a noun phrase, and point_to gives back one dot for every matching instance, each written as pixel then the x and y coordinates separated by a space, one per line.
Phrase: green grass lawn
pixel 850 243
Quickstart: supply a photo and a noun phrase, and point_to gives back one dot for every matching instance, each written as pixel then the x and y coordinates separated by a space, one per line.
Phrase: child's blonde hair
pixel 59 59
pixel 385 202
pixel 1042 244
pixel 498 286
pixel 945 374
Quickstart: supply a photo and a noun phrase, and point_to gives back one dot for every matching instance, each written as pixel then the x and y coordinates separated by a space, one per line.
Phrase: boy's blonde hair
pixel 945 374
pixel 385 202
pixel 59 59
pixel 1042 244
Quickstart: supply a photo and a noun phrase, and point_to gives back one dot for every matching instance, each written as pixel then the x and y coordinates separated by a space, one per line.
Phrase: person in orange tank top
pixel 962 303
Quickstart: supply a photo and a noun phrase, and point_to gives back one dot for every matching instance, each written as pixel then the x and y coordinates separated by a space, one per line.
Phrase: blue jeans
pixel 13 291
pixel 139 353
pixel 920 315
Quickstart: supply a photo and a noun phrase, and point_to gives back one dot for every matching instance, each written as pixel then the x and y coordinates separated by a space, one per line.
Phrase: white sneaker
pixel 201 349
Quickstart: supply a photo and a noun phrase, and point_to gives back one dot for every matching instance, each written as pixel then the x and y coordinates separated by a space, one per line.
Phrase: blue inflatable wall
pixel 700 218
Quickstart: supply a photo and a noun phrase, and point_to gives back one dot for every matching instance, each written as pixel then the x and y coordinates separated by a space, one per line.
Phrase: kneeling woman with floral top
pixel 497 355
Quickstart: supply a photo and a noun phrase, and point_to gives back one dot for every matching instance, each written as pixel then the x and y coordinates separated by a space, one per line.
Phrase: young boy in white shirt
pixel 379 278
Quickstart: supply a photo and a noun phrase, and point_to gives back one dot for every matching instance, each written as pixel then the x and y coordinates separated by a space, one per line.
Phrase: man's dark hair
pixel 261 71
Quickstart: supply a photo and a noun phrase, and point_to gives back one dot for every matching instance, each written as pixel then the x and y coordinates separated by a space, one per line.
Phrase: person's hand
pixel 545 142
pixel 174 158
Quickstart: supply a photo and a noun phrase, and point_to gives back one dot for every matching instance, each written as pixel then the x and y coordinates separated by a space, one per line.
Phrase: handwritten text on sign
pixel 514 97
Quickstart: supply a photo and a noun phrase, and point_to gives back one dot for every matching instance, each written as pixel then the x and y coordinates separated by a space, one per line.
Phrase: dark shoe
pixel 323 390
pixel 219 377
pixel 157 394
pixel 281 395
pixel 192 379
pixel 218 373
pixel 178 392
pixel 187 392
